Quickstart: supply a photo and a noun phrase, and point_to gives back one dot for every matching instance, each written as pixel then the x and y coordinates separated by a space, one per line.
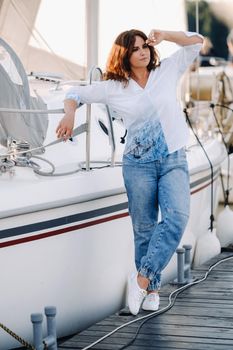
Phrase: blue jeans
pixel 152 185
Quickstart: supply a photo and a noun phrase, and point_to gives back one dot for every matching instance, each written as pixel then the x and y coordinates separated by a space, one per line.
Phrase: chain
pixel 17 337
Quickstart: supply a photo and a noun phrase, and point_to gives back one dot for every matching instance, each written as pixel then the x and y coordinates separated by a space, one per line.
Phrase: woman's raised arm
pixel 178 37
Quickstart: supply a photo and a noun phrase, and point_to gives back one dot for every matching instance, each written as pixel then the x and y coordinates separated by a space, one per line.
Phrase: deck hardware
pixel 49 342
pixel 183 265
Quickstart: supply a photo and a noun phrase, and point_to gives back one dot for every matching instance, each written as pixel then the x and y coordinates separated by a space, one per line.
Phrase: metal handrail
pixel 110 124
pixel 32 111
pixel 88 137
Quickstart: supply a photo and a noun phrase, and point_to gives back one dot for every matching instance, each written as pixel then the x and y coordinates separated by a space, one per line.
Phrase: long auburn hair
pixel 118 65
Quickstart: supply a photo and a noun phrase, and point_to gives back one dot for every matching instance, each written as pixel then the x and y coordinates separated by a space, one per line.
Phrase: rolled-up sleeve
pixel 183 57
pixel 94 93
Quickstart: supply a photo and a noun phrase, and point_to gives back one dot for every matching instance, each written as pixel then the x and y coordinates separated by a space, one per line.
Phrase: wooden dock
pixel 201 318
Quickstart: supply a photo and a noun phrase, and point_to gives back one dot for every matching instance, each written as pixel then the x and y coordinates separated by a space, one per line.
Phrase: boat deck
pixel 201 318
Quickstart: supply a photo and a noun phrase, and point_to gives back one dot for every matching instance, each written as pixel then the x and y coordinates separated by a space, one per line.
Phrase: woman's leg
pixel 141 185
pixel 173 198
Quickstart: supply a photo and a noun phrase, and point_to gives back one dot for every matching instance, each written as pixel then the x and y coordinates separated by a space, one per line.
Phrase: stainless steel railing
pixel 87 125
pixel 112 142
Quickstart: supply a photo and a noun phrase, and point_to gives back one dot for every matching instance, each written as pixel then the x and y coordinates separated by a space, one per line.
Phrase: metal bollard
pixel 37 331
pixel 187 261
pixel 51 339
pixel 183 265
pixel 180 265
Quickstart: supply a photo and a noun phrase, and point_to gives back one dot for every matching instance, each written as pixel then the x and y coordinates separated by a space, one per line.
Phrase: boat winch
pixel 19 151
pixel 18 154
pixel 6 165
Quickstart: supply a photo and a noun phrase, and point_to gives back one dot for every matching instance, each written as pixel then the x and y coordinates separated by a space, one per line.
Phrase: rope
pixel 17 337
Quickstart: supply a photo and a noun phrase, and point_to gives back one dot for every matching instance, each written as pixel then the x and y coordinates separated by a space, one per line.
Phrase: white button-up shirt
pixel 156 103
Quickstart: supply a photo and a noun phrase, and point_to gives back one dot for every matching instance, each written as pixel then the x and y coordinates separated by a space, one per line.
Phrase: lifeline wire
pixel 146 318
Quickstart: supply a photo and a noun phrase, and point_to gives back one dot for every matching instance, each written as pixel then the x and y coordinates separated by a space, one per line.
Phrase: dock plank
pixel 201 319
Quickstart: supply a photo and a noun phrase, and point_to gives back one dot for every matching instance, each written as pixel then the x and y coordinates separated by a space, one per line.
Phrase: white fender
pixel 207 247
pixel 225 226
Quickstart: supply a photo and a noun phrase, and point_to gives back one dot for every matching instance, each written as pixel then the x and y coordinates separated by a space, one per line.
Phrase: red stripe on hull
pixel 75 227
pixel 62 230
pixel 201 188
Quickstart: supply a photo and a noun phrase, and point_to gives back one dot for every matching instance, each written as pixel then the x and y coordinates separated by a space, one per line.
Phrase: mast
pixel 92 23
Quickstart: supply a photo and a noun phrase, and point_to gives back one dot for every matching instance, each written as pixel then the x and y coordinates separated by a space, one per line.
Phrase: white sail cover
pixel 15 94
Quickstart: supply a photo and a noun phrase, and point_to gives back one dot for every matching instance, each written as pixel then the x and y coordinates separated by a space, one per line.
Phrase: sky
pixel 63 26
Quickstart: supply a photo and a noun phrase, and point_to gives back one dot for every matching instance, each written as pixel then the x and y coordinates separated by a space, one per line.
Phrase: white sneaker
pixel 151 302
pixel 135 295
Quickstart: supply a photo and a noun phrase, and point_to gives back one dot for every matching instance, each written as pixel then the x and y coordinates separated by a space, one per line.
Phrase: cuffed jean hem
pixel 155 282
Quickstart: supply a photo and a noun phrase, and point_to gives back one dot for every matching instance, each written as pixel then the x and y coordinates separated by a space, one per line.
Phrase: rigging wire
pixel 227 191
pixel 211 169
pixel 223 106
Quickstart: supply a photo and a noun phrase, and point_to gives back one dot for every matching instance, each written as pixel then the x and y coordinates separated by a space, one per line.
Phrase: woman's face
pixel 140 56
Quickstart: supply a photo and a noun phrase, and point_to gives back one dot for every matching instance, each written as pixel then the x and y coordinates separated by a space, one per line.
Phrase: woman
pixel 142 91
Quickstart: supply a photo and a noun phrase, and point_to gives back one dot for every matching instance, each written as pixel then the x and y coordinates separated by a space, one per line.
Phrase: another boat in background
pixel 210 95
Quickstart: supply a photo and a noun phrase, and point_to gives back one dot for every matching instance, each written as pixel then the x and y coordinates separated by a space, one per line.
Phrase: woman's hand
pixel 66 125
pixel 155 37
